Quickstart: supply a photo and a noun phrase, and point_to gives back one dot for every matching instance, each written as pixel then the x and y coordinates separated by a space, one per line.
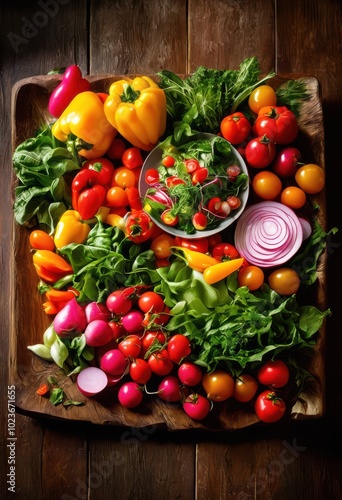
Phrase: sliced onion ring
pixel 268 234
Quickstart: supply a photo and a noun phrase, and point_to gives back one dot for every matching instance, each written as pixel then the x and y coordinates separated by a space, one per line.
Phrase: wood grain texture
pixel 288 36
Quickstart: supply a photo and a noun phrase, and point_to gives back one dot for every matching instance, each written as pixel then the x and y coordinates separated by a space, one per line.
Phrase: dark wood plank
pixel 138 37
pixel 33 42
pixel 223 34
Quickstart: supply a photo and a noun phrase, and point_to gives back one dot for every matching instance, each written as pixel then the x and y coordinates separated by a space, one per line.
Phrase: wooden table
pixel 56 460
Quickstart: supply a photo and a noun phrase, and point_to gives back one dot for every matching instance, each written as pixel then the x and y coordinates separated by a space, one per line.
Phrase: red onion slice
pixel 268 234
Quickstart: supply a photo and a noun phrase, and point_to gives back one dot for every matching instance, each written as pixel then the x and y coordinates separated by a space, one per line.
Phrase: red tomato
pixel 168 161
pixel 224 251
pixel 199 176
pixel 160 362
pixel 233 171
pixel 151 302
pixel 116 149
pixel 268 407
pixel 130 346
pixel 173 180
pixel 103 166
pixel 196 244
pixel 151 176
pixel 140 371
pixel 260 152
pixel 178 347
pixel 274 373
pixel 235 128
pixel 192 165
pixel 132 158
pixel 234 202
pixel 152 337
pixel 117 329
pixel 278 122
pixel 245 387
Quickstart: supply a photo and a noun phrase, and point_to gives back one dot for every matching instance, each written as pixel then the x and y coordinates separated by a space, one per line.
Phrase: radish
pixel 92 380
pixel 196 406
pixel 169 389
pixel 132 321
pixel 96 310
pixel 118 302
pixel 70 320
pixel 114 362
pixel 98 333
pixel 286 162
pixel 189 374
pixel 130 394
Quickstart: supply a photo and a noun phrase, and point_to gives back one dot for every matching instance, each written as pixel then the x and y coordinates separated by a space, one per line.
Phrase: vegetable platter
pixel 30 101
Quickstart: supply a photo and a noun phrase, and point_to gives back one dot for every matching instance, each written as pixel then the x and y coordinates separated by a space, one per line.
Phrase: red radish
pixel 268 234
pixel 130 394
pixel 96 310
pixel 189 374
pixel 169 389
pixel 286 162
pixel 70 320
pixel 132 321
pixel 196 406
pixel 113 362
pixel 98 333
pixel 92 380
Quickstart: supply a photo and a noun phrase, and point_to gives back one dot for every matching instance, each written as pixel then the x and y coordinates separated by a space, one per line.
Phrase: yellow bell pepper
pixel 137 109
pixel 85 119
pixel 70 229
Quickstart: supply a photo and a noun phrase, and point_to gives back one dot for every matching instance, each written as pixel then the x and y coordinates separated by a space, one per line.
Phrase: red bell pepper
pixel 71 85
pixel 104 167
pixel 139 226
pixel 88 194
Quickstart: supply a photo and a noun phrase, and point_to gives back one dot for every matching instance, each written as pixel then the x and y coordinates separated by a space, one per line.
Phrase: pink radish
pixel 130 394
pixel 92 380
pixel 98 333
pixel 196 406
pixel 114 362
pixel 189 374
pixel 169 389
pixel 96 310
pixel 132 321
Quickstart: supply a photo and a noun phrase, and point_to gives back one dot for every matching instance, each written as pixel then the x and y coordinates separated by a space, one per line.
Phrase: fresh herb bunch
pixel 203 99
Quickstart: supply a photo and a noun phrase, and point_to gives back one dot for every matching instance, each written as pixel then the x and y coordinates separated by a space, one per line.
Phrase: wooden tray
pixel 29 111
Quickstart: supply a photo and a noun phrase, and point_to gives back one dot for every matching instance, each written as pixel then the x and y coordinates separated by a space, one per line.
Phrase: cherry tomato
pixel 250 276
pixel 199 221
pixel 196 244
pixel 233 171
pixel 161 246
pixel 274 373
pixel 234 202
pixel 124 178
pixel 160 362
pixel 310 178
pixel 173 180
pixel 235 128
pixel 264 95
pixel 268 407
pixel 40 240
pixel 224 251
pixel 151 176
pixel 278 122
pixel 214 205
pixel 151 302
pixel 284 281
pixel 116 197
pixel 168 218
pixel 150 337
pixel 168 161
pixel 116 149
pixel 196 406
pixel 178 347
pixel 132 158
pixel 286 162
pixel 266 185
pixel 245 387
pixel 140 371
pixel 117 329
pixel 119 302
pixel 192 165
pixel 214 239
pixel 199 176
pixel 293 197
pixel 260 152
pixel 130 346
pixel 218 385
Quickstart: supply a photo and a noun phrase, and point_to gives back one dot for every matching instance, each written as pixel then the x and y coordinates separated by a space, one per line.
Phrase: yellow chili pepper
pixel 85 119
pixel 70 229
pixel 198 261
pixel 116 221
pixel 221 270
pixel 137 109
